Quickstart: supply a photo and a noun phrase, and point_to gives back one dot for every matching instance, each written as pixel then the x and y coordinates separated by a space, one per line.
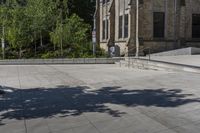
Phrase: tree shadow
pixel 66 101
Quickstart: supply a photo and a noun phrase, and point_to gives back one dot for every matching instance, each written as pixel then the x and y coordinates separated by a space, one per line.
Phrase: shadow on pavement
pixel 66 101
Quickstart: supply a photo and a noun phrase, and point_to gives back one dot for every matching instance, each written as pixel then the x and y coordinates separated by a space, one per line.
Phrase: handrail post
pixel 149 54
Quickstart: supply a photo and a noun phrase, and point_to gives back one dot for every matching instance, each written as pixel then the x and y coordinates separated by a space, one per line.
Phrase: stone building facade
pixel 163 25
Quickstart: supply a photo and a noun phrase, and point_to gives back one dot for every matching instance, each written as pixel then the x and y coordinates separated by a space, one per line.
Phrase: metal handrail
pixel 129 57
pixel 141 49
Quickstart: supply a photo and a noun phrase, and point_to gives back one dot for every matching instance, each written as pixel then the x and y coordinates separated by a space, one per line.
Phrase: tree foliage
pixel 73 32
pixel 83 8
pixel 42 28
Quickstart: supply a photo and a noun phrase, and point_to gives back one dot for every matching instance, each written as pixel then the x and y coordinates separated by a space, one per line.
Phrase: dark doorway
pixel 196 26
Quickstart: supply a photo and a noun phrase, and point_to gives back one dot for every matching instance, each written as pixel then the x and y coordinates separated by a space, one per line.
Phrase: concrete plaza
pixel 98 99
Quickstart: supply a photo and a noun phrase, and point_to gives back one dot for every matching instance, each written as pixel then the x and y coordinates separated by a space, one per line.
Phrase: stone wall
pixel 121 48
pixel 178 24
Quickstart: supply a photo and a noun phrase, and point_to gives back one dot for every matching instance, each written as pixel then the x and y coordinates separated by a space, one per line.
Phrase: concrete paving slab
pixel 143 123
pixel 15 127
pixel 191 128
pixel 98 99
pixel 96 117
pixel 89 128
pixel 110 125
pixel 37 126
pixel 56 124
pixel 64 131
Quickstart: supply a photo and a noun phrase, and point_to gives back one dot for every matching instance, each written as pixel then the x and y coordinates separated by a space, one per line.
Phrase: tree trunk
pixel 61 41
pixel 61 46
pixel 35 43
pixel 3 42
pixel 54 47
pixel 20 52
pixel 41 39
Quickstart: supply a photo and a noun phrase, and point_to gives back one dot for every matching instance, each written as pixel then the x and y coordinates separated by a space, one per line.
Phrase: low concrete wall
pixel 60 61
pixel 183 51
pixel 157 65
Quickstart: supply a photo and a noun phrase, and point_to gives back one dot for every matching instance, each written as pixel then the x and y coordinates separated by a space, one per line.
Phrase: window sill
pixel 105 4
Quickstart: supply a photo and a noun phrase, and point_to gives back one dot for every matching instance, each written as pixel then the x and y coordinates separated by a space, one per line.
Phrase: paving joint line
pixel 21 95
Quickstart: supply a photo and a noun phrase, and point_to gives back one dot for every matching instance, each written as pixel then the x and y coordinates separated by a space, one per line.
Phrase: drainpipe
pixel 94 37
pixel 94 40
pixel 137 29
pixel 175 23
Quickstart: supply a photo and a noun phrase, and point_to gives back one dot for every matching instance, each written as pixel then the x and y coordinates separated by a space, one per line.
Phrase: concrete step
pixel 157 65
pixel 181 51
pixel 131 64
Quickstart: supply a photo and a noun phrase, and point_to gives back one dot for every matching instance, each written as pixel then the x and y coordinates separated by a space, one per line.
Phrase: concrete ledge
pixel 172 66
pixel 158 65
pixel 60 61
pixel 182 51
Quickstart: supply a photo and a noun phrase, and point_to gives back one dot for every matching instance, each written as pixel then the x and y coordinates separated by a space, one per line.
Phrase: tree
pixel 73 33
pixel 45 25
pixel 18 32
pixel 42 17
pixel 3 18
pixel 9 13
pixel 83 8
